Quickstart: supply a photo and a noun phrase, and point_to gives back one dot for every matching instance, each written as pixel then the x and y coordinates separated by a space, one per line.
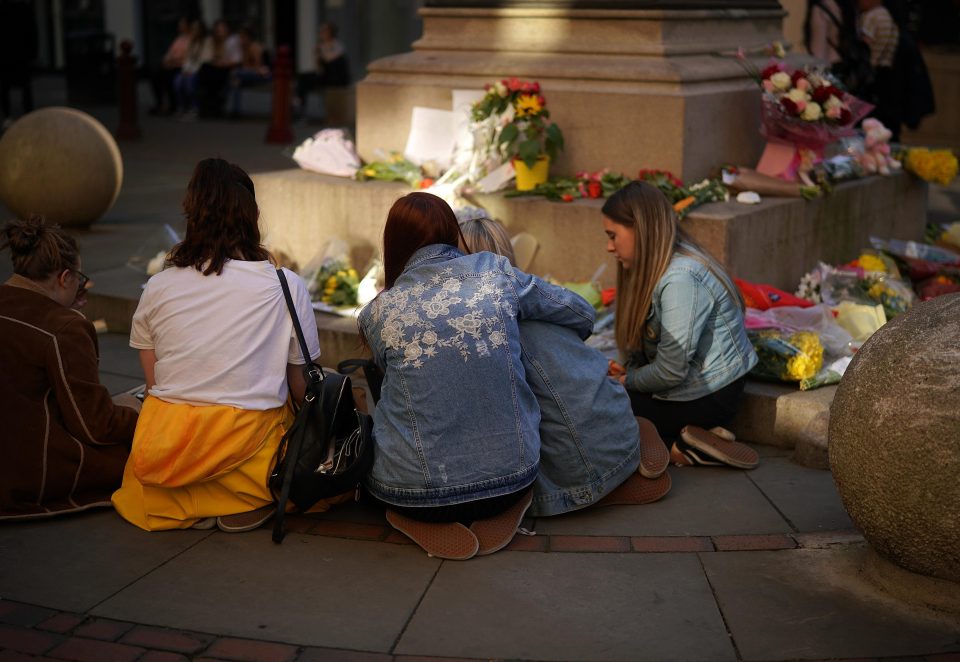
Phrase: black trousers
pixel 670 416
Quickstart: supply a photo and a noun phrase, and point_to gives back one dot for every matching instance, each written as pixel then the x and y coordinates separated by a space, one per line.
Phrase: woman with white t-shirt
pixel 219 354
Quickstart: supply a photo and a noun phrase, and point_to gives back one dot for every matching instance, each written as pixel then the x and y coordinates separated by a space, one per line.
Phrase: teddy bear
pixel 876 157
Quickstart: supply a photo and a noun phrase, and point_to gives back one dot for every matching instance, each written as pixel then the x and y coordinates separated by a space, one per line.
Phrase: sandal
pixel 444 540
pixel 637 490
pixel 654 456
pixel 495 533
pixel 705 447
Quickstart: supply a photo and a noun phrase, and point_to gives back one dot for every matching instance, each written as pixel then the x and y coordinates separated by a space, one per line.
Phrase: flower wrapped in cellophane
pixel 786 356
pixel 337 283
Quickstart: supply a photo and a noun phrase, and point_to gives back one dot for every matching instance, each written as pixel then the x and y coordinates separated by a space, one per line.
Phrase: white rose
pixel 500 88
pixel 832 102
pixel 780 80
pixel 812 112
pixel 797 95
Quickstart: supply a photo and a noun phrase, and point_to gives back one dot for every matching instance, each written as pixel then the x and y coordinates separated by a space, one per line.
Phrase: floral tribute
pixel 931 165
pixel 526 131
pixel 805 109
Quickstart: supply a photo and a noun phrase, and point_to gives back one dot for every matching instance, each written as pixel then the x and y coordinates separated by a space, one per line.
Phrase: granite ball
pixel 61 163
pixel 894 439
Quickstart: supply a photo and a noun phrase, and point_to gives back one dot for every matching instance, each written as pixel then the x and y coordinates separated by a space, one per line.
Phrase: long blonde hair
pixel 657 237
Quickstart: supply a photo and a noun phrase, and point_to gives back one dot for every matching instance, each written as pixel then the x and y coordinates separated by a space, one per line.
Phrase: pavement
pixel 731 565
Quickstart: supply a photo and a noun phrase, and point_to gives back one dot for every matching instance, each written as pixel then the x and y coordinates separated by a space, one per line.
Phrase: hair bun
pixel 24 236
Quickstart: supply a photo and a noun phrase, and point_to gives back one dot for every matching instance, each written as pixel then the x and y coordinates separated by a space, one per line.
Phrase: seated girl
pixel 680 326
pixel 65 441
pixel 456 427
pixel 588 434
pixel 219 353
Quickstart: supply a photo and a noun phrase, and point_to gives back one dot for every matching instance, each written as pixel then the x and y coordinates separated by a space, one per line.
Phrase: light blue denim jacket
pixel 696 342
pixel 589 440
pixel 456 421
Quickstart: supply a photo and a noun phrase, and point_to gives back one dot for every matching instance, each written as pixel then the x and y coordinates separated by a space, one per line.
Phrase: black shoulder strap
pixel 308 366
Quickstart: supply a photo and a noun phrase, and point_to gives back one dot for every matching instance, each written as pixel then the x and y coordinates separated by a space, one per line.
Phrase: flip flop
pixel 444 540
pixel 637 490
pixel 731 453
pixel 495 533
pixel 654 456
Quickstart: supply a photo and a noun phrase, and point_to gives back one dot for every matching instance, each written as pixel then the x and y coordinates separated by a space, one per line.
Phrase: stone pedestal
pixel 631 85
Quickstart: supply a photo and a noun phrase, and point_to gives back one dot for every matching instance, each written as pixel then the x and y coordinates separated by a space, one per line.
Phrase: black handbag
pixel 329 448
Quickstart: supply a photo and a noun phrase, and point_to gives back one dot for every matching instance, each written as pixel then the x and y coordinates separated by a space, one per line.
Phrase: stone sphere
pixel 61 163
pixel 894 440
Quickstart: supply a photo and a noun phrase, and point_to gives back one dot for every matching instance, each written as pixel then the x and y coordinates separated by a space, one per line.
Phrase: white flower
pixel 781 80
pixel 452 285
pixel 412 351
pixel 430 337
pixel 497 338
pixel 812 112
pixel 469 324
pixel 391 337
pixel 832 102
pixel 796 95
pixel 501 89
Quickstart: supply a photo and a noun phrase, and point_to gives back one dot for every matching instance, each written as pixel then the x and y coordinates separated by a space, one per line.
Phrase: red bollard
pixel 127 128
pixel 279 131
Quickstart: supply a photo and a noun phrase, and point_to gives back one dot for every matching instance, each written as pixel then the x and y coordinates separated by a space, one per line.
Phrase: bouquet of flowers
pixel 525 131
pixel 394 169
pixel 937 165
pixel 784 356
pixel 805 109
pixel 337 283
pixel 587 185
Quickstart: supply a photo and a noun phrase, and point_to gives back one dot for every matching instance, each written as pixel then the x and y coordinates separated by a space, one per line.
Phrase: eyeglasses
pixel 84 279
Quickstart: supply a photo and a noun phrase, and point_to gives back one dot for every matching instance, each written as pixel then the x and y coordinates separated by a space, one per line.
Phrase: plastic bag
pixel 330 277
pixel 763 297
pixel 788 357
pixel 818 319
pixel 151 256
pixel 829 374
pixel 329 152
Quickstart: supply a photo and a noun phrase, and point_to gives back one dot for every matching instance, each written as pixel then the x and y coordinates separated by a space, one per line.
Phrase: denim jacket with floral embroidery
pixel 456 421
pixel 695 342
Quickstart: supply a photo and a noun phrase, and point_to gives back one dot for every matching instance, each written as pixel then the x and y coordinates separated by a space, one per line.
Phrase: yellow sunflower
pixel 527 105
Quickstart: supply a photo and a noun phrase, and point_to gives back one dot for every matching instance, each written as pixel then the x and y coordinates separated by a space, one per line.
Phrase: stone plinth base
pixel 775 242
pixel 930 592
pixel 630 88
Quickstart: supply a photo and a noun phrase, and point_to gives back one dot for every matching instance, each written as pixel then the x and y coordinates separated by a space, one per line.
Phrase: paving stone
pixel 337 655
pixel 812 604
pixel 826 539
pixel 18 613
pixel 753 543
pixel 702 502
pixel 104 629
pixel 247 650
pixel 361 512
pixel 75 562
pixel 672 544
pixel 806 497
pixel 570 607
pixel 521 543
pixel 349 530
pixel 162 656
pixel 15 656
pixel 27 641
pixel 91 650
pixel 589 544
pixel 168 640
pixel 62 623
pixel 290 593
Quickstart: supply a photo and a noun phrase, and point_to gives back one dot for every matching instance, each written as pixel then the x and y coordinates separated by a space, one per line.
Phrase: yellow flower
pixel 331 282
pixel 370 172
pixel 870 262
pixel 939 166
pixel 526 105
pixel 809 360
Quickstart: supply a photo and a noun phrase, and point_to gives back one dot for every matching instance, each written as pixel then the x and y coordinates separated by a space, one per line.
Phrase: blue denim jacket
pixel 589 441
pixel 696 342
pixel 456 421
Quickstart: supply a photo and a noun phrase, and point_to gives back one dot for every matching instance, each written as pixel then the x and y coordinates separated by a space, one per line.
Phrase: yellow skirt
pixel 188 463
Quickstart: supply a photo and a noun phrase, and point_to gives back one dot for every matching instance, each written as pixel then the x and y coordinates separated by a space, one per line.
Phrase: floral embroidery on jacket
pixel 422 320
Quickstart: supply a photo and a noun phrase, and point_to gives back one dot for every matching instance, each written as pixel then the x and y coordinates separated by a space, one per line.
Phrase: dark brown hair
pixel 222 214
pixel 416 220
pixel 37 249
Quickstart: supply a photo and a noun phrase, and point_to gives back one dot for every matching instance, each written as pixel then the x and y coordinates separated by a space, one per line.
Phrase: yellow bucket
pixel 528 178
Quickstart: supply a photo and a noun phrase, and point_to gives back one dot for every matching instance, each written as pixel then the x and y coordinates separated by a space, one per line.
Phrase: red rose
pixel 426 182
pixel 535 88
pixel 845 116
pixel 824 92
pixel 514 85
pixel 595 189
pixel 797 75
pixel 790 106
pixel 769 71
pixel 566 197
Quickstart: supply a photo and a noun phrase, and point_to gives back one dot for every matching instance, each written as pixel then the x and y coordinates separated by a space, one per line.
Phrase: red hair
pixel 416 220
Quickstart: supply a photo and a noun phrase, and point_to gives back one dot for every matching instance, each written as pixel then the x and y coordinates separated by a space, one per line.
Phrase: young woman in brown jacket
pixel 65 441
